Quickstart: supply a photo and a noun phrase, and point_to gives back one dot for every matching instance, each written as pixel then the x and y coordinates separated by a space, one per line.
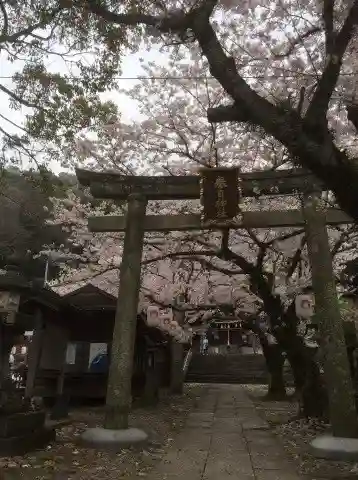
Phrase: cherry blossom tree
pixel 286 68
pixel 203 266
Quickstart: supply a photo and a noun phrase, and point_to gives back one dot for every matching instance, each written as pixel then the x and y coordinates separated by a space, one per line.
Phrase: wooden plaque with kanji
pixel 220 194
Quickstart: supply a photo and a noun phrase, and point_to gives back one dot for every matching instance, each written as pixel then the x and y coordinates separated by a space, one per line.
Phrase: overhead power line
pixel 200 77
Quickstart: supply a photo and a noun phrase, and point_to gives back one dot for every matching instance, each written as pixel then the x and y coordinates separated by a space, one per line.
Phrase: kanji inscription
pixel 219 194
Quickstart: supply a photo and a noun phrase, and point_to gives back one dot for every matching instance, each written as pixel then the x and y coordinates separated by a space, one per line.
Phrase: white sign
pixel 96 349
pixel 71 354
pixel 304 306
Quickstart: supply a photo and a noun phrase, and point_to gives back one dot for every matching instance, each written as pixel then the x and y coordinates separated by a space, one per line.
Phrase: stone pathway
pixel 224 438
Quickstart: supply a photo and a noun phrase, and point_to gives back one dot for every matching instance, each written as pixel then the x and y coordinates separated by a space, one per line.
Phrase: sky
pixel 131 69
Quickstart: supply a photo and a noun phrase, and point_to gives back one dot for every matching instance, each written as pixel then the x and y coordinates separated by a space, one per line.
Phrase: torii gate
pixel 137 190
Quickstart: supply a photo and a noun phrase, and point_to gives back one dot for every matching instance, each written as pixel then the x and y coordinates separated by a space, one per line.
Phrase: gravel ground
pixel 296 436
pixel 66 459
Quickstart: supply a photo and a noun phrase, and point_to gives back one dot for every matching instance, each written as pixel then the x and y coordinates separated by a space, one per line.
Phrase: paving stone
pixel 176 476
pixel 199 420
pixel 260 437
pixel 270 449
pixel 227 442
pixel 228 476
pixel 184 462
pixel 254 424
pixel 195 440
pixel 225 413
pixel 205 416
pixel 276 475
pixel 227 425
pixel 219 466
pixel 271 461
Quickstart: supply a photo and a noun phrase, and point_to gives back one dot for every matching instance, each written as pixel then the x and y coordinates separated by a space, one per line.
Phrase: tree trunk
pixel 176 369
pixel 284 327
pixel 308 380
pixel 177 357
pixel 275 361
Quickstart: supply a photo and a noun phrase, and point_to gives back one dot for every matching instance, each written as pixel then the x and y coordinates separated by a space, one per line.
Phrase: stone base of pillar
pixel 113 440
pixel 335 448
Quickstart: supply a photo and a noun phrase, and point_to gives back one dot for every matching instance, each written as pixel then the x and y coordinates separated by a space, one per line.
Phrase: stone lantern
pixel 21 427
pixel 11 285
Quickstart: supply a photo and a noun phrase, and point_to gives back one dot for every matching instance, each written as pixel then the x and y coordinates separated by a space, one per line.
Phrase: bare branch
pixel 226 113
pixel 225 239
pixel 296 258
pixel 17 98
pixel 327 16
pixel 5 27
pixel 352 110
pixel 177 22
pixel 48 18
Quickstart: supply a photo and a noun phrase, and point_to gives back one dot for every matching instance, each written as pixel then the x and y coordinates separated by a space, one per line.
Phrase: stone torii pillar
pixel 116 432
pixel 342 410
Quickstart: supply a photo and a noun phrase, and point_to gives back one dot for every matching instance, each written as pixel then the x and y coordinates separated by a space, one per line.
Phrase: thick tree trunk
pixel 284 326
pixel 308 380
pixel 274 362
pixel 176 367
pixel 177 358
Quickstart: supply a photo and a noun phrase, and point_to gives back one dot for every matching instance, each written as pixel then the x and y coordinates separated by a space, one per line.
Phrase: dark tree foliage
pixel 25 207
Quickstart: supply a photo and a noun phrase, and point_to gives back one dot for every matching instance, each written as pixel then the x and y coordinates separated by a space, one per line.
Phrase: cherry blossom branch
pixel 318 107
pixel 273 304
pixel 297 41
pixel 308 147
pixel 185 253
pixel 210 266
pixel 343 237
pixel 297 257
pixel 185 307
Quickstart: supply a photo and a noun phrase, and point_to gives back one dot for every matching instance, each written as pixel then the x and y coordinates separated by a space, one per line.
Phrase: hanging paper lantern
pixel 174 328
pixel 179 335
pixel 184 338
pixel 189 334
pixel 165 323
pixel 153 319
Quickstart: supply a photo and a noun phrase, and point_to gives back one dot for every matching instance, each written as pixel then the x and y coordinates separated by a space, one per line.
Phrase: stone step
pixel 231 368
